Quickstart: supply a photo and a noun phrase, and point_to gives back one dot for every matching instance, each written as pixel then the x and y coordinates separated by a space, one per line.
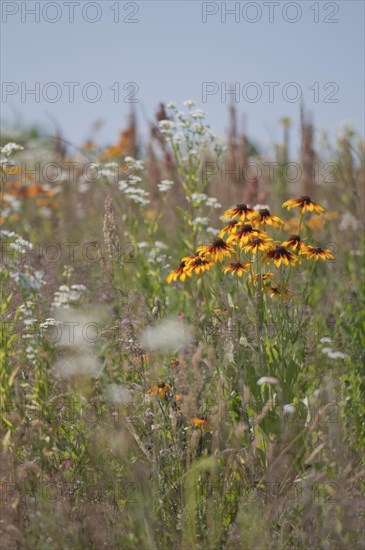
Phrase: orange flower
pixel 161 390
pixel 200 423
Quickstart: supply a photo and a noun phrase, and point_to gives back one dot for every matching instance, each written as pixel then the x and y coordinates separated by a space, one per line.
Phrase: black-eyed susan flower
pixel 294 242
pixel 278 291
pixel 229 228
pixel 264 217
pixel 217 251
pixel 240 211
pixel 198 265
pixel 242 234
pixel 237 268
pixel 162 390
pixel 180 271
pixel 305 204
pixel 317 252
pixel 258 243
pixel 280 255
pixel 200 422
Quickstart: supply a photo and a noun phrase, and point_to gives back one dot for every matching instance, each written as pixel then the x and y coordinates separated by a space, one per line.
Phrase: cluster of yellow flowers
pixel 246 232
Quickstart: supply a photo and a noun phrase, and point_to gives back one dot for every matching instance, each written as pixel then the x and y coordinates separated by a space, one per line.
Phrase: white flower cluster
pixel 198 199
pixel 26 311
pixel 165 185
pixel 329 351
pixel 191 123
pixel 348 221
pixel 9 148
pixel 28 281
pixel 49 322
pixel 201 221
pixel 67 296
pixel 21 273
pixel 138 195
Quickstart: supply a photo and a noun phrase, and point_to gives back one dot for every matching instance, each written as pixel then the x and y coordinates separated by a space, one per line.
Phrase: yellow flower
pixel 180 271
pixel 257 243
pixel 280 255
pixel 305 204
pixel 216 251
pixel 240 211
pixel 198 265
pixel 294 242
pixel 242 234
pixel 237 268
pixel 228 229
pixel 316 253
pixel 263 216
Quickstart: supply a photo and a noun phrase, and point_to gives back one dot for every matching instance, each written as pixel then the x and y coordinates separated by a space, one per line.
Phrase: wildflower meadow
pixel 182 341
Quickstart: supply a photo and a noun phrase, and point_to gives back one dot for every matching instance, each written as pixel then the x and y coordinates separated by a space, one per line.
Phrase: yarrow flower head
pixel 167 126
pixel 189 103
pixel 9 148
pixel 165 185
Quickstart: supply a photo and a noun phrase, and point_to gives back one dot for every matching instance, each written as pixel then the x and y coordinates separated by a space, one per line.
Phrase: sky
pixel 86 61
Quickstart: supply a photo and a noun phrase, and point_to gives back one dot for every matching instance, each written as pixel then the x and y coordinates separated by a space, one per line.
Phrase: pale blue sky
pixel 169 53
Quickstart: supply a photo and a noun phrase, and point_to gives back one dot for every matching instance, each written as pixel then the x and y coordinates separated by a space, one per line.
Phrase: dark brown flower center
pixel 294 238
pixel 264 212
pixel 306 199
pixel 246 228
pixel 219 243
pixel 281 250
pixel 243 207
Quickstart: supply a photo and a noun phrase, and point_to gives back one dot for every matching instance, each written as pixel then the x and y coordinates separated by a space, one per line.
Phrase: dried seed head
pixel 110 230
